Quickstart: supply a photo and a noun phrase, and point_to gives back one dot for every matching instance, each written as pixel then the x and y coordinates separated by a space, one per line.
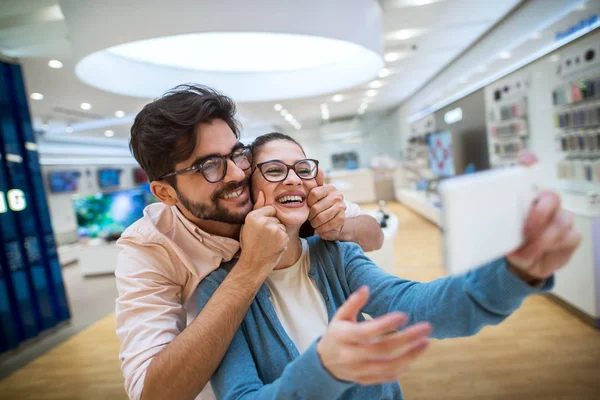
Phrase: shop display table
pixel 385 257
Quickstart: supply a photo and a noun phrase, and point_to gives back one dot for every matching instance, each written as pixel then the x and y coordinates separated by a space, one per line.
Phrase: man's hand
pixel 327 209
pixel 550 239
pixel 263 238
pixel 370 352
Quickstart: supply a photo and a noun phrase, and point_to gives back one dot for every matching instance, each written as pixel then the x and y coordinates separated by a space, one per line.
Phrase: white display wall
pixel 534 117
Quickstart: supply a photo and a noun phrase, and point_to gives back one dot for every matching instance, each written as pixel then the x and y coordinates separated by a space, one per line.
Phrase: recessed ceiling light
pixel 55 64
pixel 109 133
pixel 384 72
pixel 504 55
pixel 337 98
pixel 36 96
pixel 371 93
pixel 289 117
pixel 283 112
pixel 393 56
pixel 411 3
pixel 297 126
pixel 278 107
pixel 119 114
pixel 536 35
pixel 376 84
pixel 85 106
pixel 69 129
pixel 480 69
pixel 405 34
pixel 325 116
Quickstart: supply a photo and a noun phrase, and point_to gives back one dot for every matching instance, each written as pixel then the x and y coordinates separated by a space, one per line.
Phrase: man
pixel 187 143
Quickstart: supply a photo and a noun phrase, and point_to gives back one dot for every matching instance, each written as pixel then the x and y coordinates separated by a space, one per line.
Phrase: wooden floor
pixel 541 352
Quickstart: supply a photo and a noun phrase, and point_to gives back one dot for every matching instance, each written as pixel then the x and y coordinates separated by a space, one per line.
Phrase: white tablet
pixel 483 214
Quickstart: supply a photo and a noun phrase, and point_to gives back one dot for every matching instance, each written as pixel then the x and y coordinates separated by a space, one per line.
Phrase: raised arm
pixel 455 306
pixel 336 219
pixel 161 359
pixel 363 230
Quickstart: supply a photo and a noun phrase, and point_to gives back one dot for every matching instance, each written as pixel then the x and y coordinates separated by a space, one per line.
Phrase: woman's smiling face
pixel 288 196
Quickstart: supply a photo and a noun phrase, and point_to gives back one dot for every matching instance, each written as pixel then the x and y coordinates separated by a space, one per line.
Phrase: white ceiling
pixel 35 32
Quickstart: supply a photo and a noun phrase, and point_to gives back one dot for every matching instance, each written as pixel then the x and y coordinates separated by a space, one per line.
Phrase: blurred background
pixel 391 96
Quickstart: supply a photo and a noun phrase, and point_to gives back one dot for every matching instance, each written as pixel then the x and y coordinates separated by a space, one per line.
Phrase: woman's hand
pixel 550 238
pixel 370 352
pixel 327 209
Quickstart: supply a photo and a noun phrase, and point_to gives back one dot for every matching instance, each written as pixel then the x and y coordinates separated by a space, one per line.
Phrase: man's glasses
pixel 214 168
pixel 277 171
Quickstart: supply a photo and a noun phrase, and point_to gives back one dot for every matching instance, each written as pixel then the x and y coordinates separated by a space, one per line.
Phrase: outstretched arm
pixel 335 219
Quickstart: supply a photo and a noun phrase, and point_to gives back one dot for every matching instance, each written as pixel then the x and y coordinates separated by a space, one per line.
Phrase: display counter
pixel 385 257
pixel 358 185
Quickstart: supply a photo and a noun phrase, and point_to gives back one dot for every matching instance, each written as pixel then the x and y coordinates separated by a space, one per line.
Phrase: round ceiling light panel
pixel 262 50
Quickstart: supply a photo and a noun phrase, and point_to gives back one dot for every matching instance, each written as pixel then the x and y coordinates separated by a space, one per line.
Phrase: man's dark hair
pixel 164 132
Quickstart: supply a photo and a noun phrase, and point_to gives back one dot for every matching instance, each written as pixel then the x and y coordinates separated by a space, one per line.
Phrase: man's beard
pixel 214 211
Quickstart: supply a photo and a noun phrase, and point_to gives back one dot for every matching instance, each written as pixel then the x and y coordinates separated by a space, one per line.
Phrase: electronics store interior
pixel 455 142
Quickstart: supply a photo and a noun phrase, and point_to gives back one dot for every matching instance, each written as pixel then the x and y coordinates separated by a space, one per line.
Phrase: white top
pixel 298 302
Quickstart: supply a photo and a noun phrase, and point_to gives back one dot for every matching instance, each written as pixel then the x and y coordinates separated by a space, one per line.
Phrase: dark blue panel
pixel 10 326
pixel 39 206
pixel 18 230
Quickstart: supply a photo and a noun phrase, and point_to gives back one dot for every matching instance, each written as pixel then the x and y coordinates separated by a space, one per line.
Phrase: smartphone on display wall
pixel 483 214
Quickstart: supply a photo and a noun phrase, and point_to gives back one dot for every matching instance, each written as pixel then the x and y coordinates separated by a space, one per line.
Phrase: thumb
pixel 260 201
pixel 320 178
pixel 350 309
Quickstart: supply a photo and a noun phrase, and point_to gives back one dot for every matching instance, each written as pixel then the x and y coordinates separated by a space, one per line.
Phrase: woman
pixel 289 344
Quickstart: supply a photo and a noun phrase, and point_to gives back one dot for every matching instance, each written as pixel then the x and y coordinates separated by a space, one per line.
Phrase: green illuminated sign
pixel 15 199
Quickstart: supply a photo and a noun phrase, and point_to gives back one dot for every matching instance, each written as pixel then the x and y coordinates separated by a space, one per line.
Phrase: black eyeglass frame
pixel 288 167
pixel 230 156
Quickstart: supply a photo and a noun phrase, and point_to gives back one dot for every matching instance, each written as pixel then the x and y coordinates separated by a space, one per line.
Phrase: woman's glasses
pixel 277 171
pixel 214 168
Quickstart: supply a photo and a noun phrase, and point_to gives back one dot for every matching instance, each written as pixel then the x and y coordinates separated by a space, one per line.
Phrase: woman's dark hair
pixel 164 132
pixel 306 230
pixel 270 137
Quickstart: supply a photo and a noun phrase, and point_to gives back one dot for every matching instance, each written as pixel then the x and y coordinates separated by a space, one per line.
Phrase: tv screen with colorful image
pixel 63 181
pixel 108 178
pixel 441 160
pixel 108 214
pixel 139 176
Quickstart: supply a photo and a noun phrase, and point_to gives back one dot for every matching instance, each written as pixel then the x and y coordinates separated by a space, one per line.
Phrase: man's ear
pixel 164 192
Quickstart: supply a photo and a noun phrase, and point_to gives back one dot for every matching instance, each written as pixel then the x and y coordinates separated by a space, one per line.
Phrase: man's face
pixel 226 201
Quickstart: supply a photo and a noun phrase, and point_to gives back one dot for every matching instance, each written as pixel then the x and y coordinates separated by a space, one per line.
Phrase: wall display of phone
pixel 507 119
pixel 576 104
pixel 417 152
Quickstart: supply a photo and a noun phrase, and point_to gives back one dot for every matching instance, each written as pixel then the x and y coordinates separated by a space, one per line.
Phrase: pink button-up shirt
pixel 163 257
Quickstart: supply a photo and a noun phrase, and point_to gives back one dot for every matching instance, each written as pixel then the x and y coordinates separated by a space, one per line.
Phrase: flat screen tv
pixel 441 160
pixel 139 176
pixel 108 214
pixel 108 178
pixel 63 181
